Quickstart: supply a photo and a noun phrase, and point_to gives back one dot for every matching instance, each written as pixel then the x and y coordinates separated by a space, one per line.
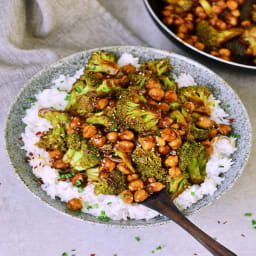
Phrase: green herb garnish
pixel 62 81
pixel 64 254
pixel 59 89
pixel 102 212
pixel 221 166
pixel 159 247
pixel 228 106
pixel 158 134
pixel 192 193
pixel 144 116
pixel 78 89
pixel 88 207
pixel 67 97
pixel 95 206
pixel 253 222
pixel 109 203
pixel 248 214
pixel 137 238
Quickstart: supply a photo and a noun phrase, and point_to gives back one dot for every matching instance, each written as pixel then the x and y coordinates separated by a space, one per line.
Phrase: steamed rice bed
pixel 219 162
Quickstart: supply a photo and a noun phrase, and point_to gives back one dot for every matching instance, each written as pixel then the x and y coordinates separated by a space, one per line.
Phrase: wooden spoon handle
pixel 167 208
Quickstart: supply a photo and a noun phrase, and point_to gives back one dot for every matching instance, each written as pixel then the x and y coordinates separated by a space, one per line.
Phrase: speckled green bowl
pixel 69 65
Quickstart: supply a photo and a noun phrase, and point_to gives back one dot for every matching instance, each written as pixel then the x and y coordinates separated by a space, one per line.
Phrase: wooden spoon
pixel 162 203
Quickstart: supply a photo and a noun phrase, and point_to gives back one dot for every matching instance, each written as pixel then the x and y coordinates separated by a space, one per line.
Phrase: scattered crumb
pixel 242 235
pixel 225 222
pixel 218 222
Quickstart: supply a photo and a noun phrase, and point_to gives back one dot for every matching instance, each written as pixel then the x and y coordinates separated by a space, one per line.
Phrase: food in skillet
pixel 223 28
pixel 124 131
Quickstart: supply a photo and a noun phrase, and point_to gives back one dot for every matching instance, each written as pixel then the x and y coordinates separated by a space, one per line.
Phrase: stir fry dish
pixel 131 132
pixel 223 28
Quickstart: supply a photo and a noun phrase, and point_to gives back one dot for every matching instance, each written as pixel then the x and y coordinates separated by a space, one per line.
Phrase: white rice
pixel 114 207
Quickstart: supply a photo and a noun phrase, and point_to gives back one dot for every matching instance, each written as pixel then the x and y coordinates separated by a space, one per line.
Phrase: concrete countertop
pixel 28 227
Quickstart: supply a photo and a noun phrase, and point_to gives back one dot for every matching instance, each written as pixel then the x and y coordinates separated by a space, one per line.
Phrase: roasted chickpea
pixel 214 53
pixel 103 174
pixel 128 68
pixel 156 94
pixel 216 9
pixel 98 140
pixel 225 52
pixel 112 136
pixel 232 5
pixel 221 3
pixel 189 106
pixel 101 103
pixel 166 12
pixel 174 172
pixel 164 107
pixel 213 133
pixel 236 13
pixel 171 161
pixel 181 35
pixel 127 196
pixel 136 185
pixel 153 84
pixel 189 25
pixel 168 134
pixel 245 23
pixel 232 20
pixel 181 132
pixel 199 11
pixel 73 125
pixel 122 167
pixel 189 17
pixel 160 141
pixel 152 179
pixel 155 187
pixel 224 129
pixel 182 29
pixel 132 177
pixel 175 126
pixel 170 96
pixel 204 122
pixel 200 46
pixel 147 143
pixel 125 146
pixel 59 164
pixel 79 177
pixel 165 122
pixel 178 21
pixel 213 20
pixel 140 196
pixel 74 204
pixel 220 24
pixel 175 144
pixel 209 149
pixel 89 131
pixel 55 154
pixel 168 20
pixel 127 135
pixel 164 150
pixel 107 164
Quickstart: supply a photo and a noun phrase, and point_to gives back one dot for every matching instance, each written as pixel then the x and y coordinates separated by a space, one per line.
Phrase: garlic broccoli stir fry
pixel 131 132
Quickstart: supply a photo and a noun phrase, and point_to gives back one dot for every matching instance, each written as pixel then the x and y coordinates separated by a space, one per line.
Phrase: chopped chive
pixel 25 124
pixel 253 222
pixel 248 214
pixel 41 90
pixel 123 196
pixel 80 191
pixel 222 157
pixel 254 227
pixel 62 81
pixel 102 212
pixel 158 134
pixel 107 218
pixel 33 104
pixel 73 250
pixel 213 105
pixel 153 251
pixel 221 166
pixel 25 108
pixel 215 238
pixel 64 254
pixel 159 247
pixel 78 69
pixel 78 182
pixel 101 217
pixel 58 88
pixel 92 67
pixel 228 106
pixel 192 193
pixel 109 203
pixel 144 116
pixel 112 128
pixel 95 205
pixel 173 79
pixel 73 255
pixel 115 254
pixel 104 88
pixel 51 107
pixel 67 97
pixel 137 238
pixel 78 89
pixel 88 207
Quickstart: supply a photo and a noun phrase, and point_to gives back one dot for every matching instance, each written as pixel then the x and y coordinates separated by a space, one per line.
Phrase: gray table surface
pixel 28 227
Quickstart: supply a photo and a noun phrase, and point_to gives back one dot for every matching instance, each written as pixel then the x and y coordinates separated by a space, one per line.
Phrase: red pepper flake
pixel 242 235
pixel 38 133
pixel 225 222
pixel 27 159
pixel 30 153
pixel 35 167
pixel 93 254
pixel 195 253
pixel 86 151
pixel 231 120
pixel 20 138
pixel 41 181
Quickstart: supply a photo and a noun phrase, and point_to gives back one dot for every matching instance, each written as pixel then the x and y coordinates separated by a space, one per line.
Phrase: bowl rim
pixel 170 32
pixel 89 51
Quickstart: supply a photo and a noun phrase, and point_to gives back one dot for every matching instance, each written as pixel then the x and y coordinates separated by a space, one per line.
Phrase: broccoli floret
pixel 103 62
pixel 56 118
pixel 198 95
pixel 108 86
pixel 193 158
pixel 73 141
pixel 53 139
pixel 114 184
pixel 158 66
pixel 139 79
pixel 212 37
pixel 207 7
pixel 249 37
pixel 126 159
pixel 176 186
pixel 178 117
pixel 86 157
pixel 132 116
pixel 168 83
pixel 148 164
pixel 93 174
pixel 101 118
pixel 181 6
pixel 253 13
pixel 200 134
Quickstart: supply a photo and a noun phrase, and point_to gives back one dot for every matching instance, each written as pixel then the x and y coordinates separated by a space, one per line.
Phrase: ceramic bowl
pixel 69 65
pixel 155 7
